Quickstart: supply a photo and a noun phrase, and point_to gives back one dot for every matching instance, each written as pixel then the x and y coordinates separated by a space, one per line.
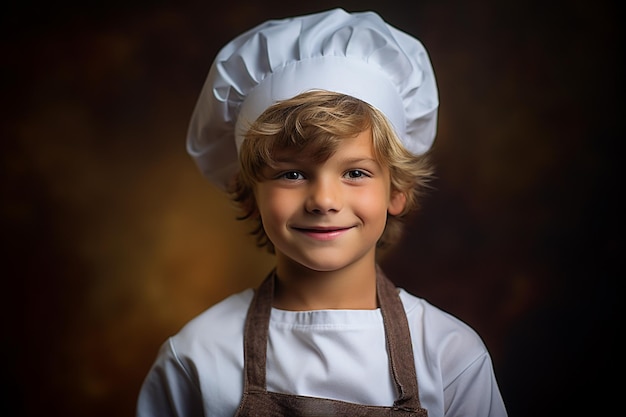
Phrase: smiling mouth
pixel 323 233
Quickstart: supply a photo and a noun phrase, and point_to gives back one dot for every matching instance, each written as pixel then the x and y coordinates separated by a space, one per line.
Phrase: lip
pixel 323 233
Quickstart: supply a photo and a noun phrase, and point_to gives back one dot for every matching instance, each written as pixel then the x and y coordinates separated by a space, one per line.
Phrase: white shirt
pixel 336 354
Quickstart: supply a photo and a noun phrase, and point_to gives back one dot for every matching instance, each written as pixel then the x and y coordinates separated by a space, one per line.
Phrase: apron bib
pixel 257 401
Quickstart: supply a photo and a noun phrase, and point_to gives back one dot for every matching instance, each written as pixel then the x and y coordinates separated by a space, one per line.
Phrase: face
pixel 327 216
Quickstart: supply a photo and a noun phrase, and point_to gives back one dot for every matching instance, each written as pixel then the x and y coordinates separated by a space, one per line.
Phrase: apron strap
pixel 399 346
pixel 256 334
pixel 397 334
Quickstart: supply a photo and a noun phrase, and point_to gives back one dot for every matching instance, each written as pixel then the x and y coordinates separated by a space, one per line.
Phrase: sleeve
pixel 169 389
pixel 475 392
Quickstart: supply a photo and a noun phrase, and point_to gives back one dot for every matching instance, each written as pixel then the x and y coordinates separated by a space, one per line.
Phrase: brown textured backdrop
pixel 112 240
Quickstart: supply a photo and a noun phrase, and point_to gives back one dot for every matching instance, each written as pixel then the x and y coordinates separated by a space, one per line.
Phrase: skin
pixel 324 220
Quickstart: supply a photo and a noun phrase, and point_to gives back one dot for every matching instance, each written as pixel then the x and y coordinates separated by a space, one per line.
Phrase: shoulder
pixel 452 361
pixel 445 339
pixel 208 353
pixel 439 324
pixel 217 327
pixel 198 370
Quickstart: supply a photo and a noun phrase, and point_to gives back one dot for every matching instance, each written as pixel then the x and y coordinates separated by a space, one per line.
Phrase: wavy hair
pixel 315 123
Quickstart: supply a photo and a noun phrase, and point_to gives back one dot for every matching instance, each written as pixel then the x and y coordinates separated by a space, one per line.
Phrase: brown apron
pixel 257 401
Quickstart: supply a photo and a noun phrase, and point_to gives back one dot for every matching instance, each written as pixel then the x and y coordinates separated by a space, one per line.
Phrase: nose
pixel 324 197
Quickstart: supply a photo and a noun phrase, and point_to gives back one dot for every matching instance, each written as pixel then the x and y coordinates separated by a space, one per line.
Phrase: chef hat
pixel 351 53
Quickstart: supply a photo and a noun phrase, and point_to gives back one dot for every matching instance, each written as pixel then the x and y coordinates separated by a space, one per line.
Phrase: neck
pixel 299 288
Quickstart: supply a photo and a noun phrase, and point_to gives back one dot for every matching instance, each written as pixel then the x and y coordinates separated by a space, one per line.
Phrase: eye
pixel 356 174
pixel 291 175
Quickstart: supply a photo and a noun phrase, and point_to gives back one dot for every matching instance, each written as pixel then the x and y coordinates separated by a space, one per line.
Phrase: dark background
pixel 112 239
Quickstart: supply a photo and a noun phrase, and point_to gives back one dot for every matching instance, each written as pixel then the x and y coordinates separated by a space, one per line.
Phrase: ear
pixel 397 202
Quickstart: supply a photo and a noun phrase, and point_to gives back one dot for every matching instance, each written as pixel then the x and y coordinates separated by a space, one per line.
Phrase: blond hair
pixel 314 123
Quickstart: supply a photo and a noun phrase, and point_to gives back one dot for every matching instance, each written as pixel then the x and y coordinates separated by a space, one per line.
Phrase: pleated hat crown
pixel 357 54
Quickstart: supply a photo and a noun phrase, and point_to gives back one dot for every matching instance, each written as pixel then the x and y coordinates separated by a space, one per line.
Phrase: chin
pixel 327 265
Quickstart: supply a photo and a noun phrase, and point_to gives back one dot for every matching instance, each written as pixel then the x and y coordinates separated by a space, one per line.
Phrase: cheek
pixel 373 202
pixel 273 204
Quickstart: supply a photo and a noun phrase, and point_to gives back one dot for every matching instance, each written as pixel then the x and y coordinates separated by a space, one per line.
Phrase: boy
pixel 319 126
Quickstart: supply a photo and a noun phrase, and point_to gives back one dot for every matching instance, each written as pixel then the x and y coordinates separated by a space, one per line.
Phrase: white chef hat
pixel 351 53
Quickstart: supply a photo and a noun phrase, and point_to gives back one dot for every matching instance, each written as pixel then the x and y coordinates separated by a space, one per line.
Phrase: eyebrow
pixel 359 160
